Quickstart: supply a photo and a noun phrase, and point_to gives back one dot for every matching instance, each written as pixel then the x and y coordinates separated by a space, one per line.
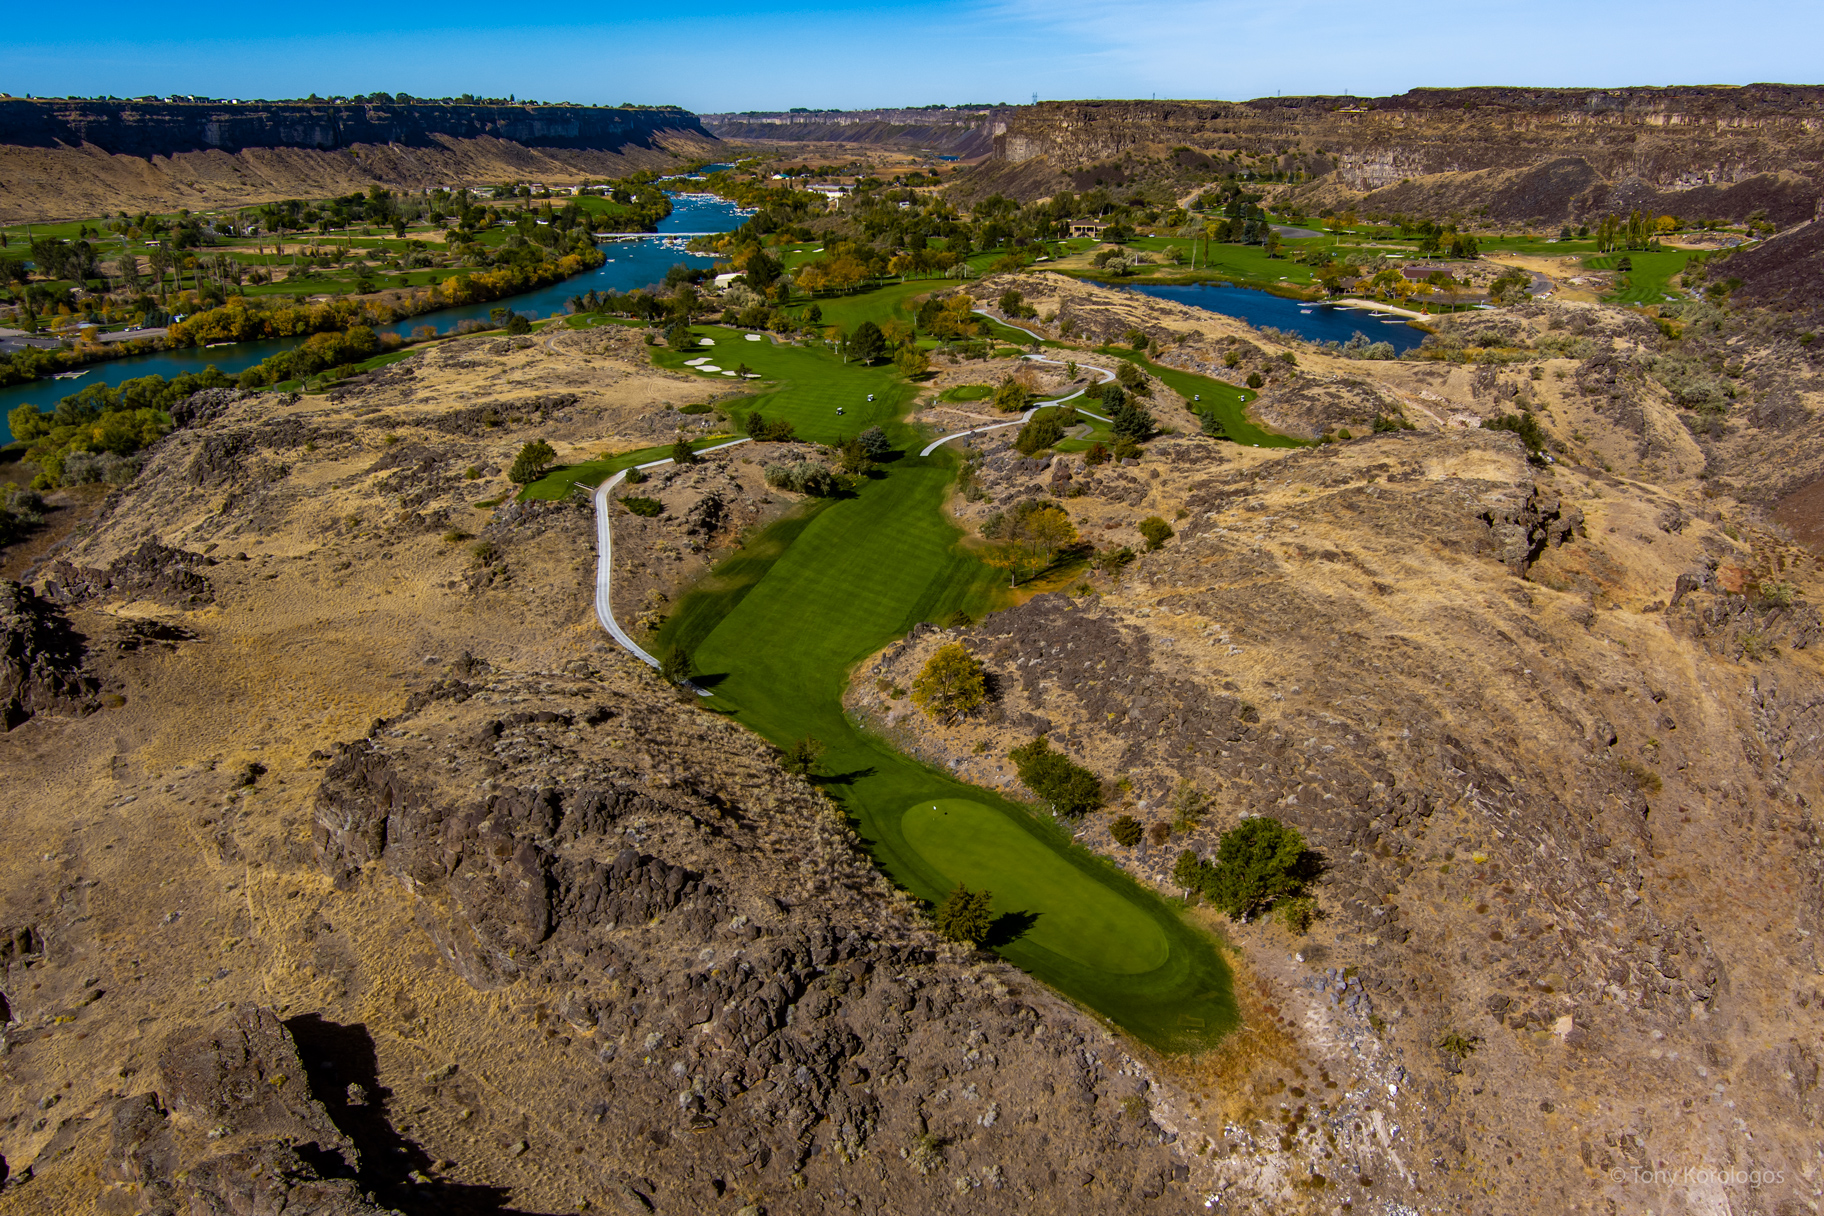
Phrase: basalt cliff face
pixel 1522 153
pixel 71 159
pixel 132 128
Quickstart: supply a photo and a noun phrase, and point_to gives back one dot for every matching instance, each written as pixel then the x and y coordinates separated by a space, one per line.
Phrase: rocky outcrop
pixel 153 571
pixel 237 1132
pixel 778 1032
pixel 40 659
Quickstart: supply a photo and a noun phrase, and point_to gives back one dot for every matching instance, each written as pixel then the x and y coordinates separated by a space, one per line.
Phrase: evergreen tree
pixel 1260 861
pixel 531 463
pixel 867 343
pixel 675 667
pixel 965 916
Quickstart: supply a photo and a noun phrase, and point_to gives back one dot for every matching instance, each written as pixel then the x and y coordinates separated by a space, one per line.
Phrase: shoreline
pixel 1370 305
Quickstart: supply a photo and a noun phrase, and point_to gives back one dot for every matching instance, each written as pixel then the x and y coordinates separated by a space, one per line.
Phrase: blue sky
pixel 771 54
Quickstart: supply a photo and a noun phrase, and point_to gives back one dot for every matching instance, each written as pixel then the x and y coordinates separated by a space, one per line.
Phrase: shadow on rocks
pixel 345 1077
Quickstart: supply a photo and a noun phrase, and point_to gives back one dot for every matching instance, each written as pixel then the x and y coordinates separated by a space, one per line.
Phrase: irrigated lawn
pixel 805 384
pixel 878 305
pixel 964 841
pixel 1646 283
pixel 1219 260
pixel 774 636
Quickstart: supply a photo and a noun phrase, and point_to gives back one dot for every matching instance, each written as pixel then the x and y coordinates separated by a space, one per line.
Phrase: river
pixel 631 263
pixel 1314 322
pixel 641 261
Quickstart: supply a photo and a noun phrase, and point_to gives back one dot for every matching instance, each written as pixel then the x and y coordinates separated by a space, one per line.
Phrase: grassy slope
pixel 803 384
pixel 775 632
pixel 1228 403
pixel 1646 283
pixel 558 483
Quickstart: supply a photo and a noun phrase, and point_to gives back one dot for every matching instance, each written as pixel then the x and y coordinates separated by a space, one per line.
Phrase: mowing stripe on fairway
pixel 981 848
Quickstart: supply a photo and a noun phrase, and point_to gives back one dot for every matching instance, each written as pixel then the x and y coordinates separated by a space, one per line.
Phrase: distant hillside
pixel 964 132
pixel 1548 155
pixel 69 159
pixel 1785 273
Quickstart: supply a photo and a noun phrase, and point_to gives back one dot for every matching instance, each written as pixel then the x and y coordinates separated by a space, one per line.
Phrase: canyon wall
pixel 1585 149
pixel 71 159
pixel 148 129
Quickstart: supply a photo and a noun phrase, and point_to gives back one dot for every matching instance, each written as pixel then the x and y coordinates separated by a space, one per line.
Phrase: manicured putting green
pixel 981 848
pixel 967 392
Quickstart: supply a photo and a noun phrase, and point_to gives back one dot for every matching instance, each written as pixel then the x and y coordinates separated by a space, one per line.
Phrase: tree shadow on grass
pixel 1009 927
pixel 848 778
pixel 709 680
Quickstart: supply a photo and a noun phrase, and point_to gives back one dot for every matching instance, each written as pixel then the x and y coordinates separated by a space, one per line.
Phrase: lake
pixel 631 263
pixel 1314 322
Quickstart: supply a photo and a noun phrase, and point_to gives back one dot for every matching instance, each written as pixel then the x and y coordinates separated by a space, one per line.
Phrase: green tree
pixel 912 362
pixel 801 757
pixel 1038 434
pixel 874 442
pixel 854 457
pixel 1133 379
pixel 867 343
pixel 516 323
pixel 27 423
pixel 1037 533
pixel 1189 804
pixel 1126 830
pixel 1524 425
pixel 1156 531
pixel 1133 421
pixel 952 684
pixel 1190 872
pixel 531 463
pixel 1012 397
pixel 676 666
pixel 681 453
pixel 1067 788
pixel 965 916
pixel 1257 862
pixel 762 270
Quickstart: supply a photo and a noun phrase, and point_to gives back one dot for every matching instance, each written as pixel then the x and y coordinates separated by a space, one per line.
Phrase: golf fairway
pixel 774 633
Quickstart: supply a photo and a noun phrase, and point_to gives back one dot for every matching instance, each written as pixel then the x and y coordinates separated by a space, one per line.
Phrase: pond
pixel 1314 322
pixel 632 262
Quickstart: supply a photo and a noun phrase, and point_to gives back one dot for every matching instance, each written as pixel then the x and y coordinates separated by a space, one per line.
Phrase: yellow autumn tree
pixel 951 685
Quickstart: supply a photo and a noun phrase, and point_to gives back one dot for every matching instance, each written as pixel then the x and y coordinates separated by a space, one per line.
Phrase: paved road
pixel 604 560
pixel 1009 324
pixel 1103 371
